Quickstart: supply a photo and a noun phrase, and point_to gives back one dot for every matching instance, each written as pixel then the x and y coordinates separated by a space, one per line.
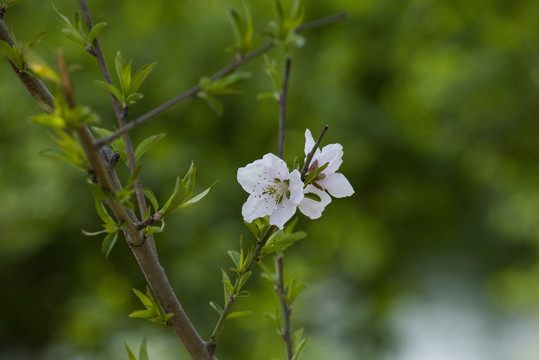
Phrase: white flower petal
pixel 256 207
pixel 283 213
pixel 295 187
pixel 309 143
pixel 251 176
pixel 312 208
pixel 337 185
pixel 275 167
pixel 332 154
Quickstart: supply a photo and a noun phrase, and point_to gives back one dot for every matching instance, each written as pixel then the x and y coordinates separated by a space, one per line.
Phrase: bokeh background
pixel 434 257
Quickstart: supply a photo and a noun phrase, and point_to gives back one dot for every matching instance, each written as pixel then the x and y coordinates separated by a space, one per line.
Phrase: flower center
pixel 278 190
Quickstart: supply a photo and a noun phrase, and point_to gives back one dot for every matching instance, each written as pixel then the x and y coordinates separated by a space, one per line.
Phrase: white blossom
pixel 273 190
pixel 328 181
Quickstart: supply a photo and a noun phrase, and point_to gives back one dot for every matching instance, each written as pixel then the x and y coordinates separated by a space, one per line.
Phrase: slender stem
pixel 121 116
pixel 253 259
pixel 285 309
pixel 279 256
pixel 305 167
pixel 237 62
pixel 282 107
pixel 321 22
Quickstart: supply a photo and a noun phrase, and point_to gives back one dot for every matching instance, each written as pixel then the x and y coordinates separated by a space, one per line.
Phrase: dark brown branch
pixel 34 86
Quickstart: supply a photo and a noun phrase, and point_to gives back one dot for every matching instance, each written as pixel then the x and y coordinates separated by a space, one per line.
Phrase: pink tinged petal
pixel 312 208
pixel 282 213
pixel 257 206
pixel 331 153
pixel 337 185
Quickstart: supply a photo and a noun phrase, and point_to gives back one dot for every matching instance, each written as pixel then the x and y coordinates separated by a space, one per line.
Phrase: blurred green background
pixel 434 257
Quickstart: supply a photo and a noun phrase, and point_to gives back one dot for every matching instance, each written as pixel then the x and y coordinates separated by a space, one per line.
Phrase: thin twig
pixel 278 256
pixel 253 259
pixel 237 62
pixel 285 309
pixel 282 107
pixel 305 167
pixel 121 116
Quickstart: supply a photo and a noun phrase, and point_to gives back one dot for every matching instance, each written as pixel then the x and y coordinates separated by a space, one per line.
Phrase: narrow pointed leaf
pixel 96 30
pixel 146 144
pixel 216 307
pixel 108 243
pixel 151 196
pixel 197 198
pixel 110 88
pixel 141 75
pixel 238 314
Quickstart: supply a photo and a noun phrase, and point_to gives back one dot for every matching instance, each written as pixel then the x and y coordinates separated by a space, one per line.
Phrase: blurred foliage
pixel 435 103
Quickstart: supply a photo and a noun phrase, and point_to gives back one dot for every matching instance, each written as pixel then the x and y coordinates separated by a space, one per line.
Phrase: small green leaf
pixel 130 353
pixel 96 30
pixel 146 144
pixel 87 233
pixel 236 257
pixel 7 51
pixel 243 293
pixel 145 299
pixel 141 314
pixel 216 307
pixel 176 199
pixel 312 196
pixel 141 75
pixel 197 198
pixel 108 243
pixel 73 35
pixel 143 351
pixel 102 212
pixel 242 279
pixel 238 314
pixel 151 196
pixel 189 179
pixel 110 88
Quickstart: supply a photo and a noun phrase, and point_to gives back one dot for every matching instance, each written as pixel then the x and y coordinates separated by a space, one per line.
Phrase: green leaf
pixel 50 120
pixel 229 288
pixel 312 196
pixel 132 98
pixel 242 279
pixel 130 353
pixel 146 144
pixel 216 307
pixel 108 243
pixel 189 179
pixel 7 51
pixel 74 35
pixel 176 199
pixel 151 196
pixel 141 75
pixel 102 212
pixel 298 343
pixel 236 258
pixel 143 351
pixel 145 299
pixel 110 88
pixel 141 314
pixel 197 198
pixel 238 314
pixel 243 293
pixel 96 30
pixel 214 104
